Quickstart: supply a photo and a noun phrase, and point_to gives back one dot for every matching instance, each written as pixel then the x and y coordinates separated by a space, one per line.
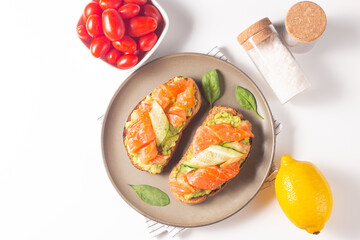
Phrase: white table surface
pixel 53 183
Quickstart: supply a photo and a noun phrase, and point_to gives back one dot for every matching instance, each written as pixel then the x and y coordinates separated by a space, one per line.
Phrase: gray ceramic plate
pixel 121 172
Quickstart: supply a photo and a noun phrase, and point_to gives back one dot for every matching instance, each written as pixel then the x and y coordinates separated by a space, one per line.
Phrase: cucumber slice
pixel 159 122
pixel 234 145
pixel 213 155
pixel 184 168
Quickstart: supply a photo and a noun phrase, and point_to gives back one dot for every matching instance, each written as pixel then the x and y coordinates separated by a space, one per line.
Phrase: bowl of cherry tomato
pixel 123 33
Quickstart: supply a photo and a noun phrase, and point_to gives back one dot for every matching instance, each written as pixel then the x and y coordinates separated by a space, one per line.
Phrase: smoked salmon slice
pixel 161 96
pixel 140 133
pixel 176 115
pixel 176 87
pixel 186 98
pixel 145 107
pixel 175 119
pixel 179 183
pixel 228 133
pixel 246 126
pixel 204 137
pixel 148 152
pixel 212 176
pixel 159 159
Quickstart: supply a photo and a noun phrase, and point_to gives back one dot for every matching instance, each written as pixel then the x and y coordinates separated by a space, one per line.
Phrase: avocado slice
pixel 159 122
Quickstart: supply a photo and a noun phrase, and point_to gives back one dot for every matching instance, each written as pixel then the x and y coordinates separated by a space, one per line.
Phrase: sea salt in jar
pixel 305 22
pixel 273 60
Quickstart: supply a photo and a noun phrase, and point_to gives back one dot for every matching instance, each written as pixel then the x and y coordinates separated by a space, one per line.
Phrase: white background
pixel 53 183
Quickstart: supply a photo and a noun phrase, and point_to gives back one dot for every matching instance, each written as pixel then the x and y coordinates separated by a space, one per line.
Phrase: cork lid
pixel 258 38
pixel 305 21
pixel 253 29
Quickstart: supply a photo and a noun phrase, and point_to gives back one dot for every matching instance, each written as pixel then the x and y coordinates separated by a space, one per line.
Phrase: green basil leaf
pixel 211 86
pixel 246 99
pixel 151 195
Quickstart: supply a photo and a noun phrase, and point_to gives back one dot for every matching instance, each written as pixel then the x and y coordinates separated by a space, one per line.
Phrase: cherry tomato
pixel 99 46
pixel 112 56
pixel 129 10
pixel 127 61
pixel 140 26
pixel 94 26
pixel 151 11
pixel 113 25
pixel 147 42
pixel 139 2
pixel 91 9
pixel 126 44
pixel 105 4
pixel 136 52
pixel 82 33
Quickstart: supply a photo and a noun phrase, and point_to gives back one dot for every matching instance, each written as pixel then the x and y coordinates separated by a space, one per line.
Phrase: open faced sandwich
pixel 153 129
pixel 219 149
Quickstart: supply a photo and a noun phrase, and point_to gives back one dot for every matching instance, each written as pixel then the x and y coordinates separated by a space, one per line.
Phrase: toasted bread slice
pixel 195 109
pixel 212 113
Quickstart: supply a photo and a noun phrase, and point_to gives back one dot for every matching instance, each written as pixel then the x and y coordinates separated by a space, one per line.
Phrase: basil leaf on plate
pixel 211 86
pixel 246 99
pixel 151 195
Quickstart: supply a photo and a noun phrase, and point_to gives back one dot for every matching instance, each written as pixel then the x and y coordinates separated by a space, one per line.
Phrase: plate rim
pixel 111 103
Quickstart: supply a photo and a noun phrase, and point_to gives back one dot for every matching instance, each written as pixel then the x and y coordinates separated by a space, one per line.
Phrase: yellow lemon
pixel 303 194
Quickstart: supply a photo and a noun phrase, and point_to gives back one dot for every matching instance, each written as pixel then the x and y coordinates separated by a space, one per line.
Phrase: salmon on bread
pixel 220 147
pixel 154 127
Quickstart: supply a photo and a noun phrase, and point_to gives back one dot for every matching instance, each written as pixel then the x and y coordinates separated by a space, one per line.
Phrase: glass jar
pixel 273 60
pixel 305 23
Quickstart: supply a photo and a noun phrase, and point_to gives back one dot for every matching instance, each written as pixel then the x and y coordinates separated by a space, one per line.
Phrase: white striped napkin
pixel 154 228
pixel 215 52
